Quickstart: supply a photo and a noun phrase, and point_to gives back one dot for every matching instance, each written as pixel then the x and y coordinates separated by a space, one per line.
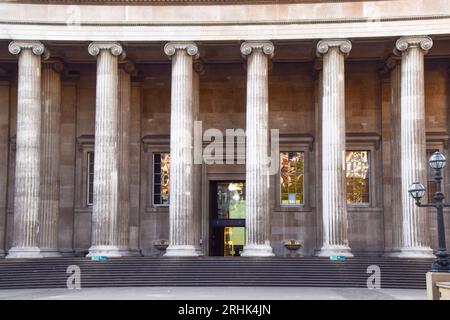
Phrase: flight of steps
pixel 213 271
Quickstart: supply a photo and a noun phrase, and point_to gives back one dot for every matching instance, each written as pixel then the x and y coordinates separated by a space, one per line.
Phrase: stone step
pixel 213 271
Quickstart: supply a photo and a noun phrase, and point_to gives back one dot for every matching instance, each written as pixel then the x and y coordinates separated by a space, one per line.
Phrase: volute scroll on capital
pixel 15 47
pixel 127 65
pixel 266 47
pixel 114 47
pixel 404 43
pixel 190 47
pixel 199 67
pixel 344 46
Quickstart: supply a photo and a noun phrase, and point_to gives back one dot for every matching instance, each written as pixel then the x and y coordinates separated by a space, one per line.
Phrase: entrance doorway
pixel 227 218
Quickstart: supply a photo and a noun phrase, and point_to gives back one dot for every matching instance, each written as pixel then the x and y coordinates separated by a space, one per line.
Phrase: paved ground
pixel 214 293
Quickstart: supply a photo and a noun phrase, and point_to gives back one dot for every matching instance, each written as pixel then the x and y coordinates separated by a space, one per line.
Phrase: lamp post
pixel 417 190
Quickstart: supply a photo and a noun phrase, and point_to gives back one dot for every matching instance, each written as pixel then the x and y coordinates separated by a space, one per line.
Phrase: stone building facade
pixel 101 101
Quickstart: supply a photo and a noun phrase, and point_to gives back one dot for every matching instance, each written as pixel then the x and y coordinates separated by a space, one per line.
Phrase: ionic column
pixel 257 215
pixel 415 235
pixel 105 208
pixel 125 70
pixel 334 204
pixel 50 133
pixel 197 176
pixel 393 65
pixel 5 101
pixel 181 150
pixel 318 89
pixel 27 174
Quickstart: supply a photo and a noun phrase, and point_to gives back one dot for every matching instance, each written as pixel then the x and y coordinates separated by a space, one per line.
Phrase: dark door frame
pixel 216 225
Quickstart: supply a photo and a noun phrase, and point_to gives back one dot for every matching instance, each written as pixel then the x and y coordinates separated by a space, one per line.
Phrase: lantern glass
pixel 416 190
pixel 437 160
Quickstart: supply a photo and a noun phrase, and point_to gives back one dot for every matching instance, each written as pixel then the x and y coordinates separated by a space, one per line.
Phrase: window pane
pixel 161 168
pixel 156 198
pixel 156 178
pixel 231 200
pixel 357 177
pixel 291 178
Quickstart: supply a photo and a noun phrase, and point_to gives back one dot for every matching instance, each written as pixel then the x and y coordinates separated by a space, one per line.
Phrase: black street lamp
pixel 417 190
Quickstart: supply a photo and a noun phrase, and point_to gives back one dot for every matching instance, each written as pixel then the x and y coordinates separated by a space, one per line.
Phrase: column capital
pixel 127 65
pixel 199 67
pixel 404 43
pixel 114 47
pixel 323 47
pixel 15 47
pixel 266 47
pixel 190 47
pixel 56 64
pixel 389 64
pixel 392 62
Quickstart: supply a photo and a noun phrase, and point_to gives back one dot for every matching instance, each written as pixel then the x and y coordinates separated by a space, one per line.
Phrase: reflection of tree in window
pixel 291 178
pixel 357 176
pixel 161 169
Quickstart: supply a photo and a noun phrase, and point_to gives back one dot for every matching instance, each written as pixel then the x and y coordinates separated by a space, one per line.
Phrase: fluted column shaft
pixel 197 175
pixel 415 235
pixel 124 156
pixel 181 150
pixel 105 240
pixel 27 175
pixel 257 217
pixel 50 133
pixel 395 147
pixel 334 204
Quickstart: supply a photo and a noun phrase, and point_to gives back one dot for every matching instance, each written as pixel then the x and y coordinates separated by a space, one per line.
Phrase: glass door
pixel 227 218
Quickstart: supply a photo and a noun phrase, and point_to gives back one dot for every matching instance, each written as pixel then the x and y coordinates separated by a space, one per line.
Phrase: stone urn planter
pixel 293 246
pixel 161 245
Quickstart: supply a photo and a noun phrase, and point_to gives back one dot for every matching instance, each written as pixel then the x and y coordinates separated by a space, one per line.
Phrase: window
pixel 90 179
pixel 231 200
pixel 161 165
pixel 291 178
pixel 431 184
pixel 357 176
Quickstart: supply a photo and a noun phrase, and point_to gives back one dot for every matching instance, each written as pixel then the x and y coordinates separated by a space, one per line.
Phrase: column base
pixel 181 251
pixel 67 252
pixel 126 252
pixel 24 253
pixel 257 250
pixel 395 253
pixel 104 251
pixel 328 251
pixel 416 252
pixel 50 253
pixel 199 251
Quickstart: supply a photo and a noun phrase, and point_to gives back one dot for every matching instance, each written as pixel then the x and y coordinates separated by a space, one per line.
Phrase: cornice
pixel 174 2
pixel 249 22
